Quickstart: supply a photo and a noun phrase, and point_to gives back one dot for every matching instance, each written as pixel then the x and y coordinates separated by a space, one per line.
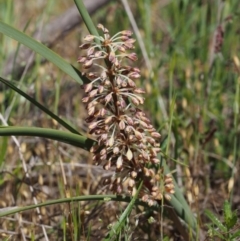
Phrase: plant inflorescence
pixel 126 140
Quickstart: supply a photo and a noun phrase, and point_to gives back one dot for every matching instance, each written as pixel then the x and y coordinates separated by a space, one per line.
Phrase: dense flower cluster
pixel 126 140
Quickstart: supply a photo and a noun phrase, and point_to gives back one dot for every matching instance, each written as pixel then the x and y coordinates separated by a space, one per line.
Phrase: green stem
pixel 62 136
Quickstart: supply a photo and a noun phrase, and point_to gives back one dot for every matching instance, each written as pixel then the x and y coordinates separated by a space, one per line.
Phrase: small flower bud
pixel 108 97
pixel 138 135
pixel 103 157
pixel 92 75
pixel 132 56
pixel 167 196
pixel 131 83
pixel 88 64
pixel 98 54
pixel 107 165
pixel 135 101
pixel 93 125
pixel 100 89
pixel 159 196
pixel 128 45
pixel 169 186
pixel 121 49
pixel 91 111
pixel 155 135
pixel 131 183
pixel 103 152
pixel 103 112
pixel 131 40
pixel 129 154
pixel 115 150
pixel 88 87
pixel 94 148
pixel 111 141
pixel 146 172
pixel 90 51
pixel 126 32
pixel 150 203
pixel 119 162
pixel 93 93
pixel 140 99
pixel 133 174
pixel 85 99
pixel 145 198
pixel 85 46
pixel 103 137
pixel 89 38
pixel 155 161
pixel 108 119
pixel 81 59
pixel 129 120
pixel 124 83
pixel 112 56
pixel 139 91
pixel 119 189
pixel 122 125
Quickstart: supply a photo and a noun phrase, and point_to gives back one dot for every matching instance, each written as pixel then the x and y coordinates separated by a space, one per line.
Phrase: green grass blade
pixel 182 212
pixel 18 47
pixel 236 234
pixel 86 17
pixel 117 227
pixel 66 200
pixel 3 149
pixel 179 203
pixel 43 51
pixel 215 220
pixel 44 109
pixel 62 136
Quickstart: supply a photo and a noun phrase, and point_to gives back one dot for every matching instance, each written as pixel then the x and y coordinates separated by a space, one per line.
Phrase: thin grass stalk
pixel 18 47
pixel 236 116
pixel 138 35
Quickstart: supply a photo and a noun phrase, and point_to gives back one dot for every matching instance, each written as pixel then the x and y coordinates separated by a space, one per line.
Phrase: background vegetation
pixel 190 68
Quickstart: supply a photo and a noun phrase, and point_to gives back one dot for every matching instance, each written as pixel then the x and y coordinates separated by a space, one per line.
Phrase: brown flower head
pixel 126 140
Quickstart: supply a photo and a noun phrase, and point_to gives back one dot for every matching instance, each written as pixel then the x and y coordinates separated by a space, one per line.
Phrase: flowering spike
pixel 126 140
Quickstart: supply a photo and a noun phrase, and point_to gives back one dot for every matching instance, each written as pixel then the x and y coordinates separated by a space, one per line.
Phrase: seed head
pixel 126 140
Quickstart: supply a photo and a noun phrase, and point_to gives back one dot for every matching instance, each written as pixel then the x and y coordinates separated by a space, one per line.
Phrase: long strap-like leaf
pixel 86 17
pixel 43 51
pixel 104 197
pixel 62 136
